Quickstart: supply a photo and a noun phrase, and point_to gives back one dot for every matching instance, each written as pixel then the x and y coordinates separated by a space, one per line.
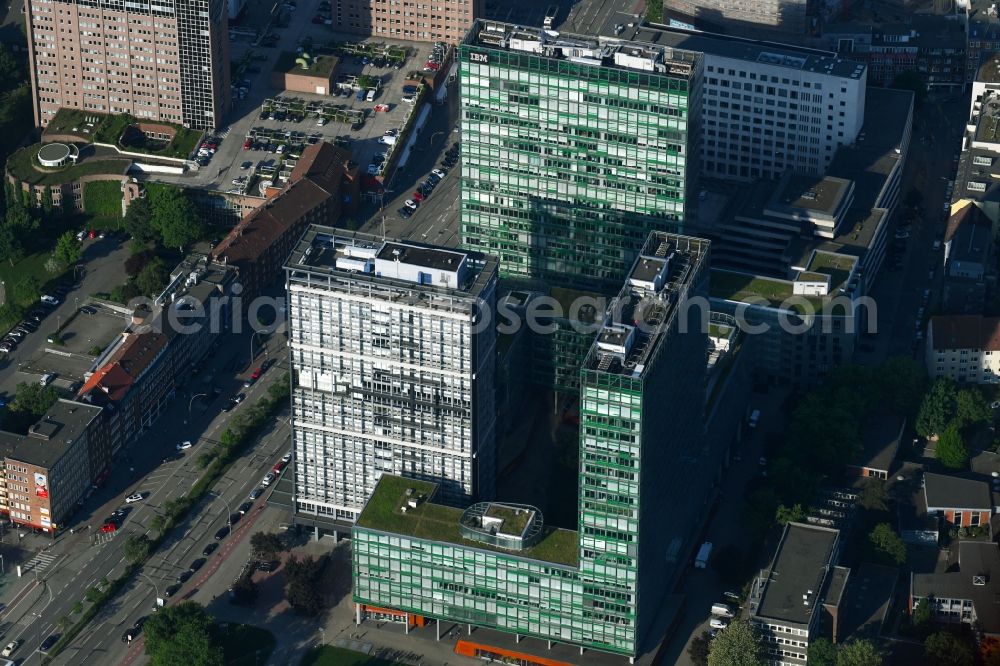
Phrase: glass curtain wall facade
pixel 642 414
pixel 389 377
pixel 568 164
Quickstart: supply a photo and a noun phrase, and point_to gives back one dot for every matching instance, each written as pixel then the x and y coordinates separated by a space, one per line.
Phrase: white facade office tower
pixel 768 108
pixel 393 370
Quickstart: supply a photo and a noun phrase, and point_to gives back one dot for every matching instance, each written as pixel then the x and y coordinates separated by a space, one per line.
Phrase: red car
pixel 256 374
pixel 248 144
pixel 278 466
pixel 418 196
pixel 108 528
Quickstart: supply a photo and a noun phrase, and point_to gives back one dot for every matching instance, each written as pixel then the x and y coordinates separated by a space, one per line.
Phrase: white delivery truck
pixel 704 553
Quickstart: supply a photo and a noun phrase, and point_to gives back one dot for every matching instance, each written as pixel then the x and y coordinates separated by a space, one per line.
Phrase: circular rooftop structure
pixel 502 525
pixel 55 154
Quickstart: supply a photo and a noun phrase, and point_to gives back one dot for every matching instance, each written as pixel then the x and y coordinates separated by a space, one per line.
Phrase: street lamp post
pixel 218 496
pixel 156 590
pixel 191 402
pixel 255 334
pixel 430 143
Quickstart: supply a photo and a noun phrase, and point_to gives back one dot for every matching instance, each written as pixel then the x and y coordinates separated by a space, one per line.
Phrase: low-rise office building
pixel 931 47
pixel 966 592
pixel 958 501
pixel 321 183
pixel 787 598
pixel 49 470
pixel 408 20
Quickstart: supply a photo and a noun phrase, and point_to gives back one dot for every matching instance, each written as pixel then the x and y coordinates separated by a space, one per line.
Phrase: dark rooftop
pixel 882 435
pixel 799 568
pixel 978 561
pixel 419 255
pixel 50 438
pixel 821 194
pixel 869 592
pixel 951 492
pixel 965 332
pixel 739 48
pixel 836 585
pixel 320 248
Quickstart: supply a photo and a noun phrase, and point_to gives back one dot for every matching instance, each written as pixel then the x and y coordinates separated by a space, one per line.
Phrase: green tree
pixel 181 635
pixel 951 450
pixel 901 384
pixel 937 408
pixel 26 288
pixel 30 402
pixel 945 649
pixel 68 249
pixel 11 249
pixel 792 514
pixel 136 262
pixel 301 578
pixel 152 278
pixel 912 81
pixel 268 544
pixel 922 613
pixel 888 546
pixel 873 496
pixel 53 265
pixel 859 653
pixel 176 219
pixel 738 644
pixel 822 653
pixel 137 548
pixel 11 69
pixel 698 650
pixel 971 407
pixel 157 523
pixel 244 590
pixel 20 218
pixel 138 221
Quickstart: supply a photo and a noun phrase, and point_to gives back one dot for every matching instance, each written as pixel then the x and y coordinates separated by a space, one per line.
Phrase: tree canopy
pixel 268 544
pixel 822 653
pixel 937 408
pixel 137 547
pixel 888 545
pixel 30 402
pixel 739 644
pixel 951 449
pixel 946 649
pixel 859 653
pixel 175 218
pixel 181 635
pixel 68 250
pixel 301 578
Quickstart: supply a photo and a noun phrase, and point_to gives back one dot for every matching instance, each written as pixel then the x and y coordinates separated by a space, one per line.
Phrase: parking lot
pixel 273 118
pixel 70 355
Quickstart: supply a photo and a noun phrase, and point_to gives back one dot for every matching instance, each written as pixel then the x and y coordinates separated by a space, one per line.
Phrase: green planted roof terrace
pixel 436 522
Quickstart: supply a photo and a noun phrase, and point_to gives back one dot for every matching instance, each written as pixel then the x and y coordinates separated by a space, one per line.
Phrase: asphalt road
pixel 74 562
pixel 436 220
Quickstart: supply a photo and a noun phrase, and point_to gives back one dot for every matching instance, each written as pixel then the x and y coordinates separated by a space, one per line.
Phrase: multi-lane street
pixel 55 580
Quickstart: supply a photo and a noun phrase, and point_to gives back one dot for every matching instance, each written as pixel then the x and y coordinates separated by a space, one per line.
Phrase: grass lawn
pixel 328 655
pixel 246 645
pixel 32 265
pixel 21 166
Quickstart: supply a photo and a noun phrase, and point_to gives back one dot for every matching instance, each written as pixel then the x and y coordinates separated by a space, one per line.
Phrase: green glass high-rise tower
pixel 574 149
pixel 497 565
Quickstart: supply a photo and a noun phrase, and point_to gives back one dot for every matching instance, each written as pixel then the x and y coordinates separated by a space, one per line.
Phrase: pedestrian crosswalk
pixel 39 563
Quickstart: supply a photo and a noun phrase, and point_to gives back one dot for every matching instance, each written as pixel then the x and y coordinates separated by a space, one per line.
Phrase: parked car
pixel 411 204
pixel 186 444
pixel 718 623
pixel 199 563
pixel 268 478
pixel 47 644
pixel 209 549
pixel 255 493
pixel 171 590
pixel 439 173
pixel 49 300
pixel 405 212
pixel 235 518
pixel 238 398
pixel 267 566
pixel 10 648
pixel 246 506
pixel 287 457
pixel 134 497
pixel 222 533
pixel 183 577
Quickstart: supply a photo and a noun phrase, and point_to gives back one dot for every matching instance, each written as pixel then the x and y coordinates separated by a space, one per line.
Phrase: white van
pixel 723 610
pixel 46 379
pixel 371 95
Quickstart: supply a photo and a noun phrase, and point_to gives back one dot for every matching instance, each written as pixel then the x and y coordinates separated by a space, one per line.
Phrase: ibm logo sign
pixel 480 57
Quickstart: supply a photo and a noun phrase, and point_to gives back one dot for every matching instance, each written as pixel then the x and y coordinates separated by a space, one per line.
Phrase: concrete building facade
pixel 769 108
pixel 409 20
pixel 162 61
pixel 391 374
pixel 965 348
